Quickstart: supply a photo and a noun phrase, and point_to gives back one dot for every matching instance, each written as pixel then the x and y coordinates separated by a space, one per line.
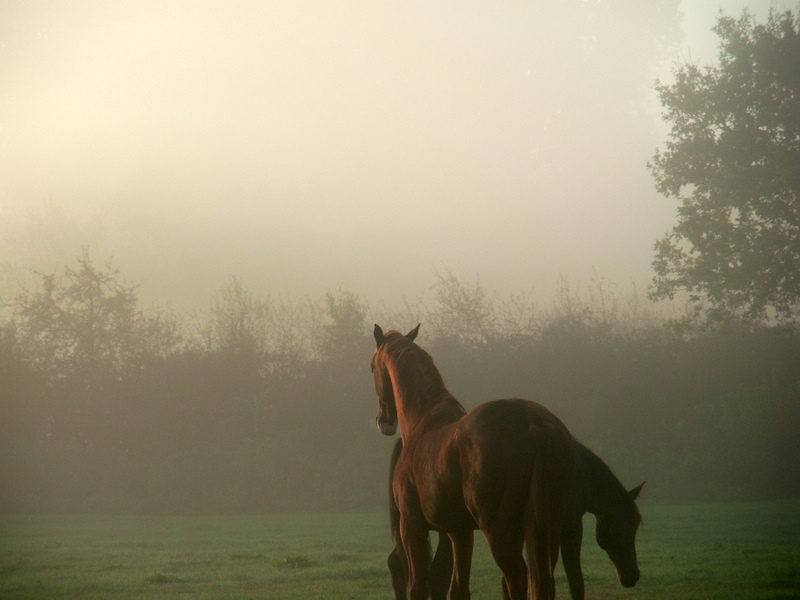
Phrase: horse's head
pixel 387 409
pixel 616 534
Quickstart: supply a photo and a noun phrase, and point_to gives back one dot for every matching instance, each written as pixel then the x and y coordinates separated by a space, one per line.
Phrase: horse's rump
pixel 501 444
pixel 517 459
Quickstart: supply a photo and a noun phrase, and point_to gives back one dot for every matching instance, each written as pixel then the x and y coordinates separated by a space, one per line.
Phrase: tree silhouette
pixel 82 323
pixel 733 161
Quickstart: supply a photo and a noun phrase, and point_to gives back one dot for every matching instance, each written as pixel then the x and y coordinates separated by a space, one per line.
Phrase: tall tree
pixel 733 161
pixel 81 323
pixel 464 311
pixel 344 337
pixel 239 322
pixel 86 322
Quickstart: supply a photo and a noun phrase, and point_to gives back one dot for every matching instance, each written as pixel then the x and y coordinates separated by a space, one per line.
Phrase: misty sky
pixel 303 145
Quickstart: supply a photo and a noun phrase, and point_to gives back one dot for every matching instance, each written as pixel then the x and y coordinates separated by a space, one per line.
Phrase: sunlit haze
pixel 307 145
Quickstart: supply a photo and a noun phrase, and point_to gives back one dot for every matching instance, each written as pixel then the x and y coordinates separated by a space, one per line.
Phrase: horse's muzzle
pixel 386 428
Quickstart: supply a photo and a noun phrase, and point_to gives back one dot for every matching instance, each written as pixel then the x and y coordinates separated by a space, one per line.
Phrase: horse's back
pixel 512 407
pixel 508 425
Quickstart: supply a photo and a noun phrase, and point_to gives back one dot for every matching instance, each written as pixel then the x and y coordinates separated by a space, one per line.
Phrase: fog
pixel 304 146
pixel 291 170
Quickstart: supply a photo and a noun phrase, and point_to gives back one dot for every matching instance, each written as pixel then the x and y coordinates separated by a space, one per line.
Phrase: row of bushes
pixel 264 405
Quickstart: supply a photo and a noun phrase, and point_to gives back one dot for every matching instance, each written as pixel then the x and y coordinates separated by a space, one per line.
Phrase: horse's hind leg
pixel 462 542
pixel 506 549
pixel 399 571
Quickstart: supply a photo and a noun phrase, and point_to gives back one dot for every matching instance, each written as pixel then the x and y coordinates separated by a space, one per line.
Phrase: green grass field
pixel 723 551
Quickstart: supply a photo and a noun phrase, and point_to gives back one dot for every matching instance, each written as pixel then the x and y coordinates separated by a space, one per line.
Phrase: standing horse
pixel 595 490
pixel 504 468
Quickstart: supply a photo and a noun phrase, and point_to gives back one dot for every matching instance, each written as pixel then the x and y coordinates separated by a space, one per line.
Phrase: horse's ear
pixel 634 493
pixel 378 333
pixel 413 333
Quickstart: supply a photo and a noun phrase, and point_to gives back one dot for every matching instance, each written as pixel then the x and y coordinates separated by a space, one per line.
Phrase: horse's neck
pixel 427 411
pixel 601 486
pixel 418 392
pixel 426 402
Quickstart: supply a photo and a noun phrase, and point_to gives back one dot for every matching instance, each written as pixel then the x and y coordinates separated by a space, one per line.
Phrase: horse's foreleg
pixel 571 538
pixel 418 557
pixel 462 542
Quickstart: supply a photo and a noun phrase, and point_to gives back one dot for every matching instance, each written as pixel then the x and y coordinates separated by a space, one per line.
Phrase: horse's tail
pixel 551 479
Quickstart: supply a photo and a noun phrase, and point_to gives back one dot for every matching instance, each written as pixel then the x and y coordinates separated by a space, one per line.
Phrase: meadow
pixel 705 551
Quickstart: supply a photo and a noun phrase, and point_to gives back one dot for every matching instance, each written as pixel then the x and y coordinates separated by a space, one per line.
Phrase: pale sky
pixel 304 145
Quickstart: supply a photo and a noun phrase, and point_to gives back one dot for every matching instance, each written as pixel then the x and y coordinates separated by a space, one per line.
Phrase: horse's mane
pixel 415 370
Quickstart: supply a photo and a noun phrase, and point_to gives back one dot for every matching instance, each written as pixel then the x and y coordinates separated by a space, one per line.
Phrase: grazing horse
pixel 595 490
pixel 505 468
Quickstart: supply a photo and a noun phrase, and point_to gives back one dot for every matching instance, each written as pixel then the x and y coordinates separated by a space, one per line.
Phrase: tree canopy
pixel 733 161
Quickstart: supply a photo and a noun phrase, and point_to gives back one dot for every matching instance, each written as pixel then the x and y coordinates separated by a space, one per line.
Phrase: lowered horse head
pixel 615 531
pixel 387 407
